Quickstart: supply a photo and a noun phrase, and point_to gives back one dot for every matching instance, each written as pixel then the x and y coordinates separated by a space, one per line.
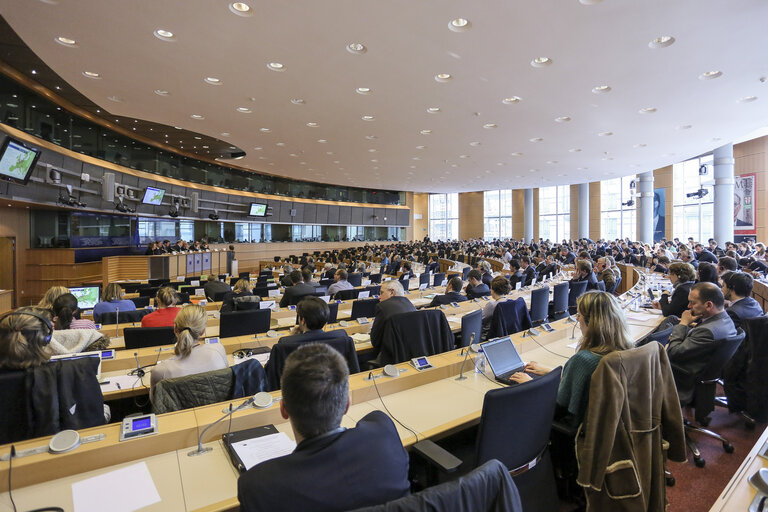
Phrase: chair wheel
pixel 728 447
pixel 700 463
pixel 670 481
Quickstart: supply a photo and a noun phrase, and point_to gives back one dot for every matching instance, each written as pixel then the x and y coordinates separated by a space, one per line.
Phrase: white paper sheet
pixel 117 382
pixel 573 345
pixel 260 449
pixel 454 318
pixel 285 322
pixel 361 337
pixel 123 490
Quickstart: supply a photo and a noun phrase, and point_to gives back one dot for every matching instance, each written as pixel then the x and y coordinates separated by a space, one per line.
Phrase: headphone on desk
pixel 46 323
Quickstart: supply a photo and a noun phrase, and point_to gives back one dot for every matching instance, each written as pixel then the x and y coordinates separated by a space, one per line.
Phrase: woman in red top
pixel 165 300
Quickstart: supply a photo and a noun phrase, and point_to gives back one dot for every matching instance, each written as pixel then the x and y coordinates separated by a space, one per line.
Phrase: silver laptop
pixel 503 358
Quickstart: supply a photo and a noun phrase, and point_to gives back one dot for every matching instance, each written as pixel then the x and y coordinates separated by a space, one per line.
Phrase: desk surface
pixel 738 494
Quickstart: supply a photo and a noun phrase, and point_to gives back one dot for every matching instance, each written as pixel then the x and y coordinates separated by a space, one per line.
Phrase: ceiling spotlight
pixel 371 137
pixel 212 80
pixel 562 119
pixel 647 110
pixel 321 141
pixel 540 62
pixel 747 99
pixel 515 153
pixel 475 143
pixel 426 132
pixel 356 48
pixel 265 130
pixel 276 66
pixel 601 89
pixel 91 74
pixel 162 92
pixel 241 9
pixel 536 139
pixel 443 77
pixel 459 25
pixel 164 35
pixel 297 101
pixel 661 42
pixel 116 99
pixel 421 147
pixel 683 127
pixel 368 118
pixel 312 125
pixel 511 100
pixel 363 90
pixel 709 75
pixel 641 145
pixel 197 116
pixel 66 41
pixel 490 126
pixel 574 150
pixel 605 134
pixel 433 110
pixel 244 110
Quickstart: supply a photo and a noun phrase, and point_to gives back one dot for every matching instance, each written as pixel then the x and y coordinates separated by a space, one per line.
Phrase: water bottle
pixel 480 362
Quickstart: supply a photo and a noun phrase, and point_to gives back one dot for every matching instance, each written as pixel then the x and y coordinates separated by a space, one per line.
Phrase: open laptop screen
pixel 502 355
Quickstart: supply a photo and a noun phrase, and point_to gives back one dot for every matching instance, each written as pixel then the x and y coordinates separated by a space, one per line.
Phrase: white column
pixel 724 161
pixel 583 210
pixel 528 215
pixel 645 207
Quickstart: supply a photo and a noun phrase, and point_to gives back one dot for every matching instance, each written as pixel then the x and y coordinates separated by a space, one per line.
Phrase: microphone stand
pixel 200 450
pixel 117 321
pixel 466 355
pixel 138 371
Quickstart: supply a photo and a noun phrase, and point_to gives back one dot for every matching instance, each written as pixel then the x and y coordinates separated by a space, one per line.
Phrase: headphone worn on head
pixel 47 323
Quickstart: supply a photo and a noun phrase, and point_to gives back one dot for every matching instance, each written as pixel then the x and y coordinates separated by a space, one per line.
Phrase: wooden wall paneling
pixel 752 157
pixel 15 224
pixel 471 215
pixel 518 213
pixel 420 207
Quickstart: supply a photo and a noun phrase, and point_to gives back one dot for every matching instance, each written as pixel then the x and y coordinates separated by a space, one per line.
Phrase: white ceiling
pixel 408 43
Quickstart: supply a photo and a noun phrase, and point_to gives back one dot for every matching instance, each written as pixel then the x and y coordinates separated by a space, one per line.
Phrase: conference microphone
pixel 200 450
pixel 138 371
pixel 471 347
pixel 117 321
pixel 573 331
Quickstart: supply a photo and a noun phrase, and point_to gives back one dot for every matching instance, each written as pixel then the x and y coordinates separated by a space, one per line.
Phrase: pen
pixel 118 385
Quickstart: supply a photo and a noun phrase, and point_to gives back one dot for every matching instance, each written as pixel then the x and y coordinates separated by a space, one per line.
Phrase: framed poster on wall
pixel 744 212
pixel 659 219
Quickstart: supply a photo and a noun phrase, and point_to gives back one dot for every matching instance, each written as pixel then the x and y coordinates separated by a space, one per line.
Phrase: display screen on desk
pixel 258 210
pixel 87 296
pixel 153 196
pixel 17 161
pixel 141 424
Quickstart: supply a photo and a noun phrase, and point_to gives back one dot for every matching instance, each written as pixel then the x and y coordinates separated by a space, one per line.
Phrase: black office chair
pixel 424 279
pixel 140 302
pixel 262 291
pixel 141 337
pixel 559 307
pixel 355 279
pixel 325 282
pixel 245 275
pixel 123 316
pixel 703 401
pixel 183 298
pixel 241 323
pixel 148 292
pixel 219 296
pixel 575 290
pixel 133 287
pixel 346 294
pixel 418 333
pixel 465 273
pixel 292 301
pixel 744 382
pixel 616 286
pixel 539 305
pixel 189 290
pixel 437 279
pixel 321 291
pixel 375 278
pixel 471 329
pixel 372 290
pixel 158 283
pixel 280 352
pixel 364 308
pixel 509 317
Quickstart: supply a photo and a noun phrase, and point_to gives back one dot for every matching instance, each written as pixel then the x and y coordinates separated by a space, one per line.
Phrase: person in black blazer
pixel 682 276
pixel 476 287
pixel 485 269
pixel 737 288
pixel 584 273
pixel 529 273
pixel 299 289
pixel 452 294
pixel 704 255
pixel 516 276
pixel 567 257
pixel 332 468
pixel 392 301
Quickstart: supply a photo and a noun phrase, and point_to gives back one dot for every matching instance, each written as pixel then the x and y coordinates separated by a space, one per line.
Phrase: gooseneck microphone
pixel 117 321
pixel 466 355
pixel 200 450
pixel 138 371
pixel 573 331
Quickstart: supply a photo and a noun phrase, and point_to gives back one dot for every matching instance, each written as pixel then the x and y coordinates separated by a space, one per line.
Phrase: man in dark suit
pixel 312 314
pixel 452 294
pixel 584 273
pixel 476 287
pixel 214 287
pixel 737 289
pixel 332 468
pixel 566 256
pixel 392 301
pixel 704 255
pixel 692 341
pixel 432 266
pixel 516 276
pixel 298 289
pixel 529 273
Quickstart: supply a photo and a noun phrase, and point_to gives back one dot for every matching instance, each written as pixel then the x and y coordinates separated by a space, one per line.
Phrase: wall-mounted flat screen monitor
pixel 153 196
pixel 258 210
pixel 17 161
pixel 87 296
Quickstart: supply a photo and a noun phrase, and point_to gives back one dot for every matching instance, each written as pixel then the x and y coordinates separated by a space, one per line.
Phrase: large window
pixel 694 215
pixel 498 214
pixel 444 216
pixel 555 213
pixel 617 218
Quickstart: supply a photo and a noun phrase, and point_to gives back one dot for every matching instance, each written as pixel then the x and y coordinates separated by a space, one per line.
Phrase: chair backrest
pixel 140 302
pixel 539 305
pixel 295 299
pixel 347 294
pixel 148 292
pixel 320 291
pixel 133 287
pixel 244 275
pixel 438 278
pixel 373 290
pixel 280 352
pixel 183 298
pixel 333 312
pixel 140 337
pixel 262 291
pixel 375 278
pixel 157 283
pixel 575 290
pixel 560 300
pixel 241 323
pixel 219 296
pixel 424 278
pixel 724 350
pixel 364 308
pixel 246 305
pixel 471 324
pixel 509 317
pixel 124 316
pixel 176 394
pixel 325 282
pixel 355 279
pixel 465 273
pixel 414 334
pixel 616 286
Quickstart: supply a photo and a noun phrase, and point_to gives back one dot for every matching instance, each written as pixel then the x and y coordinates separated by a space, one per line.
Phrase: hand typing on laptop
pixel 532 367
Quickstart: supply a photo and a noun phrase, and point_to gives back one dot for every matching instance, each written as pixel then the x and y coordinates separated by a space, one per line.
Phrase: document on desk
pixel 641 316
pixel 454 318
pixel 120 382
pixel 285 322
pixel 124 490
pixel 259 449
pixel 361 337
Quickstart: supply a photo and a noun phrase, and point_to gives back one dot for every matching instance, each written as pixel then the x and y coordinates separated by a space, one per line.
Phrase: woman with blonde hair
pixel 191 356
pixel 111 301
pixel 165 301
pixel 240 293
pixel 604 330
pixel 24 338
pixel 53 293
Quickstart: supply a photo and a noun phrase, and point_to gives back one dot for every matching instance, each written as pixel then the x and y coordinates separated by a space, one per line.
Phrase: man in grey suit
pixel 694 339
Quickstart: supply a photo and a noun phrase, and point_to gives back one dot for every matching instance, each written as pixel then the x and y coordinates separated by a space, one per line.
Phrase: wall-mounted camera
pixel 698 194
pixel 122 207
pixel 214 215
pixel 174 211
pixel 69 199
pixel 702 170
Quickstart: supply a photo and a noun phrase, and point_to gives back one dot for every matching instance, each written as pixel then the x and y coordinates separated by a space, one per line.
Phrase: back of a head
pixel 683 271
pixel 113 291
pixel 314 311
pixel 501 285
pixel 23 338
pixel 295 276
pixel 727 263
pixel 189 326
pixel 584 266
pixel 394 286
pixel 211 278
pixel 166 296
pixel 739 283
pixel 710 292
pixel 242 285
pixel 455 284
pixel 514 265
pixel 315 387
pixel 606 325
pixel 342 274
pixel 51 295
pixel 474 274
pixel 306 274
pixel 64 309
pixel 707 273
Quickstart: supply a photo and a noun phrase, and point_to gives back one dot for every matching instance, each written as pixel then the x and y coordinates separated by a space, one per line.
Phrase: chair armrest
pixel 565 429
pixel 437 456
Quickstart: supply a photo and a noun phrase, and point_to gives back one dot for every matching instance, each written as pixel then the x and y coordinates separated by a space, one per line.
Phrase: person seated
pixel 241 293
pixel 71 334
pixel 727 264
pixel 661 265
pixel 703 255
pixel 152 249
pixel 605 274
pixel 407 272
pixel 566 256
pixel 737 289
pixel 629 258
pixel 112 301
pixel 285 280
pixel 516 275
pixel 692 341
pixel 686 257
pixel 476 288
pixel 66 314
pixel 296 290
pixel 312 314
pixel 53 293
pixel 329 271
pixel 584 273
pixel 707 273
pixel 485 269
pixel 682 276
pixel 315 389
pixel 452 293
pixel 214 287
pixel 392 301
pixel 340 283
pixel 191 356
pixel 432 266
pixel 306 275
pixel 529 273
pixel 165 301
pixel 500 288
pixel 603 330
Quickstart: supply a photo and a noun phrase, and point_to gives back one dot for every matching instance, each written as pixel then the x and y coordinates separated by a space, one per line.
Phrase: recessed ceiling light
pixel 363 90
pixel 257 148
pixel 162 92
pixel 281 144
pixel 600 89
pixel 511 100
pixel 356 48
pixel 709 75
pixel 421 147
pixel 589 2
pixel 312 125
pixel 371 137
pixel 241 9
pixel 683 127
pixel 293 155
pixel 562 119
pixel 647 110
pixel 459 25
pixel 433 110
pixel 443 77
pixel 66 41
pixel 196 137
pixel 116 99
pixel 747 99
pixel 368 118
pixel 297 101
pixel 374 160
pixel 322 141
pixel 536 139
pixel 490 126
pixel 415 158
pixel 165 35
pixel 533 170
pixel 197 116
pixel 463 156
pixel 475 143
pixel 641 145
pixel 515 153
pixel 372 150
pixel 551 162
pixel 244 110
pixel 91 74
pixel 661 42
pixel 276 66
pixel 265 130
pixel 226 134
pixel 574 150
pixel 212 80
pixel 425 132
pixel 541 62
pixel 605 134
